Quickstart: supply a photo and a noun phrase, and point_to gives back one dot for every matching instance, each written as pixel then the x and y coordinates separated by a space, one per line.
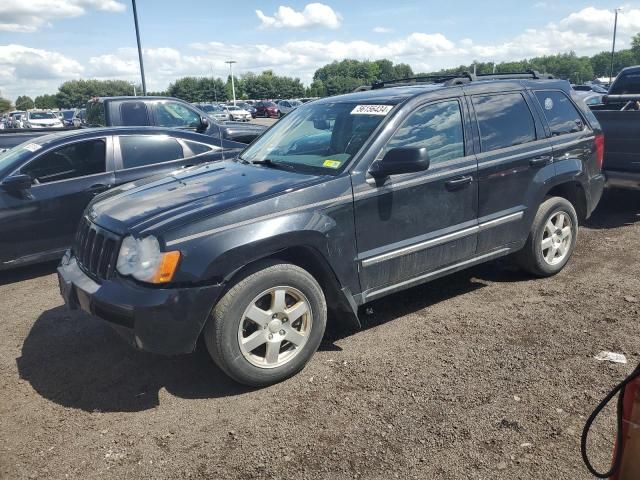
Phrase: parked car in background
pixel 79 117
pixel 248 107
pixel 409 183
pixel 590 87
pixel 15 119
pixel 267 109
pixel 41 119
pixel 286 106
pixel 214 111
pixel 619 116
pixel 67 117
pixel 46 183
pixel 238 114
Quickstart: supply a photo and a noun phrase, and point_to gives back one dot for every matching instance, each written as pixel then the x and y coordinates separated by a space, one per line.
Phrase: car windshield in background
pixel 316 138
pixel 67 114
pixel 208 108
pixel 627 84
pixel 41 116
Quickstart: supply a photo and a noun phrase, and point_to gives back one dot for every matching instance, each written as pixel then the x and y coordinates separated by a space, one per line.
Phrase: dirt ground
pixel 487 374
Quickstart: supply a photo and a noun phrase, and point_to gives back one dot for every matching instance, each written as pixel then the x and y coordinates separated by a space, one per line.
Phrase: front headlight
pixel 143 260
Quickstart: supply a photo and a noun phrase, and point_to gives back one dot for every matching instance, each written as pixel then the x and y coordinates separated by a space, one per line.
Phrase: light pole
pixel 613 47
pixel 135 19
pixel 233 85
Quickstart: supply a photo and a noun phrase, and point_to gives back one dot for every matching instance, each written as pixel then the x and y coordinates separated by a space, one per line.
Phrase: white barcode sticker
pixel 32 147
pixel 381 110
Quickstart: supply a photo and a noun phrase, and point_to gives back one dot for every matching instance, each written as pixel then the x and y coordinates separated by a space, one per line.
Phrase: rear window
pixel 560 112
pixel 134 114
pixel 626 84
pixel 95 114
pixel 141 150
pixel 503 120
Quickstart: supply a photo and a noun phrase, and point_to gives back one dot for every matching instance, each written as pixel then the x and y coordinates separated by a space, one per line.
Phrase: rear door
pixel 513 151
pixel 65 179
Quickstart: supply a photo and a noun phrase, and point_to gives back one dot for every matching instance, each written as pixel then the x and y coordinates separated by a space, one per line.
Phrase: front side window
pixel 437 127
pixel 141 150
pixel 318 137
pixel 560 112
pixel 71 161
pixel 172 114
pixel 504 120
pixel 134 114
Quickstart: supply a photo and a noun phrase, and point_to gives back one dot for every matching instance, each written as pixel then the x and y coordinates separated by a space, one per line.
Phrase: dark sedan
pixel 46 183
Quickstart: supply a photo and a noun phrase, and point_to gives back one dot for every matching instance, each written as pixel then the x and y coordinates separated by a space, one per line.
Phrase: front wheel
pixel 552 238
pixel 268 325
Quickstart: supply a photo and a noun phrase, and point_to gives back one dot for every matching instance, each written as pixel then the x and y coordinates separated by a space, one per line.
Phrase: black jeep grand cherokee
pixel 344 200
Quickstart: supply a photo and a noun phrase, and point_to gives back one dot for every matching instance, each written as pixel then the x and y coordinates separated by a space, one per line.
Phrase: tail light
pixel 599 144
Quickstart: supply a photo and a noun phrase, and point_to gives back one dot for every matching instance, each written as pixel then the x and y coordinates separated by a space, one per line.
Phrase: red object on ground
pixel 630 465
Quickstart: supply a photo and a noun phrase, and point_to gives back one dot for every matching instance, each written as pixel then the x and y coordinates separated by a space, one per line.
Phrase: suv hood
pixel 204 190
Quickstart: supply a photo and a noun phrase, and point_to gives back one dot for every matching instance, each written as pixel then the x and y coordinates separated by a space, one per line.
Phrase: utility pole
pixel 233 85
pixel 135 19
pixel 613 47
pixel 213 82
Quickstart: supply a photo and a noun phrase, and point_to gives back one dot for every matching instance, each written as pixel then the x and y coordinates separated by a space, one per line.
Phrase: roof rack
pixel 460 78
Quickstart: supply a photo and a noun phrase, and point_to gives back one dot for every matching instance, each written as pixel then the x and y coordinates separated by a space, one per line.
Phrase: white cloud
pixel 30 15
pixel 382 30
pixel 313 15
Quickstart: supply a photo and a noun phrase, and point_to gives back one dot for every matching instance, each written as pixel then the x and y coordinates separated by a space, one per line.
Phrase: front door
pixel 42 221
pixel 417 222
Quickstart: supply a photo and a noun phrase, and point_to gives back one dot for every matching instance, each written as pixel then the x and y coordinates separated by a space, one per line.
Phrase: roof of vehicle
pixel 393 95
pixel 88 133
pixel 132 97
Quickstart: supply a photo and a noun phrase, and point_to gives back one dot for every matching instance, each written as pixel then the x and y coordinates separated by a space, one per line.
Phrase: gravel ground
pixel 486 374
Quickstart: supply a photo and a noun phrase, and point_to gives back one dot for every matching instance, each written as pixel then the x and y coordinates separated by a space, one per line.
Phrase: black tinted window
pixel 72 161
pixel 198 148
pixel 138 151
pixel 560 112
pixel 437 127
pixel 627 83
pixel 503 120
pixel 134 114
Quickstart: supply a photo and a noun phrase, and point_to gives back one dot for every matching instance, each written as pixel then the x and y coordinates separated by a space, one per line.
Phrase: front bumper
pixel 618 179
pixel 165 321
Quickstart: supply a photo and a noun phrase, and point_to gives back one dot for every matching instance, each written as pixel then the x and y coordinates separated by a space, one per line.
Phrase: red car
pixel 267 109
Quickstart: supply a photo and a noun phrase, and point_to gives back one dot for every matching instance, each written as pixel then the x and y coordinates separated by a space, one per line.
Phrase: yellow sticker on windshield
pixel 331 163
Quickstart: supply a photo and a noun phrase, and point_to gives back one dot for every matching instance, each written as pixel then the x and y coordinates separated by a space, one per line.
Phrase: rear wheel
pixel 552 238
pixel 268 325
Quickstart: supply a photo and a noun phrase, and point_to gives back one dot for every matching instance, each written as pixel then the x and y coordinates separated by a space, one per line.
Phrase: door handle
pixel 98 188
pixel 541 161
pixel 458 183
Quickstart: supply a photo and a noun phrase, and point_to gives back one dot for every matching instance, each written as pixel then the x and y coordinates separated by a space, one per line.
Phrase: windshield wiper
pixel 273 164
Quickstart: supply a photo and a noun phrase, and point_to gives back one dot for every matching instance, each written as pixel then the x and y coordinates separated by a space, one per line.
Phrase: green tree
pixel 46 101
pixel 635 47
pixel 5 105
pixel 76 93
pixel 24 102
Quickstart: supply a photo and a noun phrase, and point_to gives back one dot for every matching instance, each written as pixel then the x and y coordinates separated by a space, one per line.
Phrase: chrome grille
pixel 96 250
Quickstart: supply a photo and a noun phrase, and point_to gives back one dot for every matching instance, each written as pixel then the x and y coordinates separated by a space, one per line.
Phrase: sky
pixel 46 42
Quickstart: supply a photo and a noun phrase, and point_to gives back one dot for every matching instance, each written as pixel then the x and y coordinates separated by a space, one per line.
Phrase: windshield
pixel 67 114
pixel 41 115
pixel 625 84
pixel 316 138
pixel 14 157
pixel 207 108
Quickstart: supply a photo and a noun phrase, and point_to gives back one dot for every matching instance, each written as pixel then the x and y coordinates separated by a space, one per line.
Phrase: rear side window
pixel 503 120
pixel 198 148
pixel 438 127
pixel 141 150
pixel 134 114
pixel 71 161
pixel 559 112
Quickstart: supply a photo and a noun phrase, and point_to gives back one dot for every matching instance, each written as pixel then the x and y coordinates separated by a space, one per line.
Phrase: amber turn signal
pixel 168 266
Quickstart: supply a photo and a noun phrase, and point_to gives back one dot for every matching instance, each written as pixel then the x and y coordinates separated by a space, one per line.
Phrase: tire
pixel 559 238
pixel 274 347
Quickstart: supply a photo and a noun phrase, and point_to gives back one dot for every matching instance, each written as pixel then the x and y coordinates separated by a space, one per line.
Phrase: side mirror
pixel 16 183
pixel 401 160
pixel 204 124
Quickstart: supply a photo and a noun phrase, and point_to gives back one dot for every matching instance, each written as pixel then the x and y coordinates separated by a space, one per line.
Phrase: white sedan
pixel 35 119
pixel 238 114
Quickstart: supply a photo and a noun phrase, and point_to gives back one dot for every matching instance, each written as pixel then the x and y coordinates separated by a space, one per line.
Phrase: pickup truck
pixel 145 112
pixel 400 185
pixel 619 116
